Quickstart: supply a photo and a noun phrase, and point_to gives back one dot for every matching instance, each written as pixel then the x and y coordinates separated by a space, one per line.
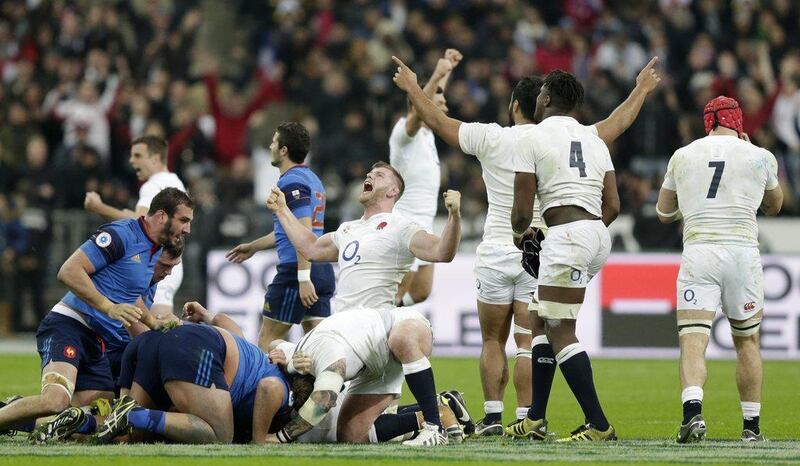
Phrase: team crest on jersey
pixel 136 258
pixel 70 352
pixel 103 239
pixel 381 225
pixel 296 194
pixel 750 306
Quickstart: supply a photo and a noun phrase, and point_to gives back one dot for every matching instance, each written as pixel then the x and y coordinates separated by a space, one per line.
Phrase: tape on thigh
pixel 746 328
pixel 550 310
pixel 694 326
pixel 520 330
pixel 523 353
pixel 58 380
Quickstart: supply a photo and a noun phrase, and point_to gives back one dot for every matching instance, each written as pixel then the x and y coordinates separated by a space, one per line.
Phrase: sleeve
pixel 106 245
pixel 609 162
pixel 298 197
pixel 473 138
pixel 399 138
pixel 669 176
pixel 408 229
pixel 323 359
pixel 593 130
pixel 772 171
pixel 146 194
pixel 524 158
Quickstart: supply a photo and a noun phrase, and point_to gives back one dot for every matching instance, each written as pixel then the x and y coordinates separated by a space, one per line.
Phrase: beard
pixel 167 235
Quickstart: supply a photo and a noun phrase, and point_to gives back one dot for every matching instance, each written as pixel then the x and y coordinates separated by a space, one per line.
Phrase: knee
pixel 347 434
pixel 746 343
pixel 54 400
pixel 223 434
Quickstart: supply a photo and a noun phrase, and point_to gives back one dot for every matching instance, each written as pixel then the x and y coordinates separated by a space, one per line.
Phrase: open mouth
pixel 367 186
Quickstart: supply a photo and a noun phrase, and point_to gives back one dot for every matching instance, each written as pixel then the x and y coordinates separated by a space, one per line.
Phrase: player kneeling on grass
pixel 223 388
pixel 374 350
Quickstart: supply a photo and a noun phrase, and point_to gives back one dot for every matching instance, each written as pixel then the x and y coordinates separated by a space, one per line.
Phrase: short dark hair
pixel 564 89
pixel 155 145
pixel 168 200
pixel 525 92
pixel 295 138
pixel 400 182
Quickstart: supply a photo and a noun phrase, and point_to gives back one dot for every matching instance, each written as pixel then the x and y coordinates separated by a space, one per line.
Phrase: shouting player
pixel 504 288
pixel 716 184
pixel 412 151
pixel 301 291
pixel 82 338
pixel 569 168
pixel 149 161
pixel 375 251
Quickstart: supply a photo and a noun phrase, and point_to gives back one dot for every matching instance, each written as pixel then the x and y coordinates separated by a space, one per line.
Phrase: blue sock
pixel 148 420
pixel 88 426
pixel 25 426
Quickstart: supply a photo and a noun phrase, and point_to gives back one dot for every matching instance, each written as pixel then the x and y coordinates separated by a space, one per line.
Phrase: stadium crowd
pixel 81 79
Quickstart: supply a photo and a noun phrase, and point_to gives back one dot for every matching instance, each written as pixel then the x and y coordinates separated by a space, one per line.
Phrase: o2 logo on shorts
pixel 70 351
pixel 750 307
pixel 350 252
pixel 688 296
pixel 575 275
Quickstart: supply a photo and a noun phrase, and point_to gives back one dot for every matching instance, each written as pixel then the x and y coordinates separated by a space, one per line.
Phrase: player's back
pixel 417 160
pixel 253 366
pixel 720 182
pixel 570 162
pixel 305 196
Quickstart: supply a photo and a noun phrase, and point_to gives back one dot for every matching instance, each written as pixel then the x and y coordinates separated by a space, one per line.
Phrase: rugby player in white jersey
pixel 412 151
pixel 149 161
pixel 504 289
pixel 375 251
pixel 569 168
pixel 716 184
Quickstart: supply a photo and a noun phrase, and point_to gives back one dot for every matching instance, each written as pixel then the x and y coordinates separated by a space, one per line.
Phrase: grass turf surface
pixel 641 399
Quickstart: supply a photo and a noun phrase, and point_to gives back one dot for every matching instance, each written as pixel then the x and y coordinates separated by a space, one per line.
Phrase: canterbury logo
pixel 750 306
pixel 544 360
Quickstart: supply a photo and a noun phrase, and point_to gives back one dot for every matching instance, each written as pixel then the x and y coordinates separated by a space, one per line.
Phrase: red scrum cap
pixel 723 111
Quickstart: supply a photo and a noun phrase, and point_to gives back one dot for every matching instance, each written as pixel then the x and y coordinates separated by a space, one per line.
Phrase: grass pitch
pixel 641 399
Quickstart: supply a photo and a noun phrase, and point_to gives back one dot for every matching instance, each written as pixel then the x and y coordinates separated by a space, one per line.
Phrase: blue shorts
pixel 64 339
pixel 193 353
pixel 282 301
pixel 140 364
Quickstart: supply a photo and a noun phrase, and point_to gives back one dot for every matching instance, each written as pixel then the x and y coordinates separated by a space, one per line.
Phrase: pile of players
pixel 552 193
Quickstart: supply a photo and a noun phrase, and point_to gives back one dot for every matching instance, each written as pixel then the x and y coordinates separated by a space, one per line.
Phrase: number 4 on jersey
pixel 718 166
pixel 576 158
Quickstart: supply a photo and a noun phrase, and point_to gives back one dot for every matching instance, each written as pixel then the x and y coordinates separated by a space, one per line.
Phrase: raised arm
pixel 94 203
pixel 315 249
pixel 76 275
pixel 624 115
pixel 432 248
pixel 438 80
pixel 326 390
pixel 444 126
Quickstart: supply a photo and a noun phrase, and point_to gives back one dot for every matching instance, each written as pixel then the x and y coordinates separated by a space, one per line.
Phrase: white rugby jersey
pixel 417 160
pixel 720 181
pixel 155 184
pixel 570 162
pixel 374 254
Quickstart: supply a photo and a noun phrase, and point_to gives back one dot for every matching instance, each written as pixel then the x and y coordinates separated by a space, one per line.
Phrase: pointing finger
pixel 651 63
pixel 398 62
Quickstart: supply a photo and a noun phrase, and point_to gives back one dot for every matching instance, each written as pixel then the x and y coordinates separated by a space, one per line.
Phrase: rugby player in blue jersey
pixel 301 291
pixel 80 341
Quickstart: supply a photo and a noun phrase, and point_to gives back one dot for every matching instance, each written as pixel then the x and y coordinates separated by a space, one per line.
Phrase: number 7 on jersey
pixel 718 166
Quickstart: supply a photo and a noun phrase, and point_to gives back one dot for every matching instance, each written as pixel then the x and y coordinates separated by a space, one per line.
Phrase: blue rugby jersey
pixel 123 257
pixel 305 196
pixel 253 366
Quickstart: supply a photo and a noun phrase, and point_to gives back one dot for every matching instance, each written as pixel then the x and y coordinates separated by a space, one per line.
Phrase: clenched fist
pixel 276 200
pixel 452 201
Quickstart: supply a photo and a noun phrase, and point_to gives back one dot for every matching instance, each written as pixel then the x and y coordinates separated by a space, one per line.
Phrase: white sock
pixel 750 409
pixel 692 393
pixel 521 412
pixel 492 407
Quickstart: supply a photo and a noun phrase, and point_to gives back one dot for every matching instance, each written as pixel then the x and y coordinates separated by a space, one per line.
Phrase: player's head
pixel 723 111
pixel 170 257
pixel 290 142
pixel 561 94
pixel 172 211
pixel 148 156
pixel 438 99
pixel 382 182
pixel 523 98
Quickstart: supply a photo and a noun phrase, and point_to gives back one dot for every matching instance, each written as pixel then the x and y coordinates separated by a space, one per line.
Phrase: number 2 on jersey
pixel 718 166
pixel 576 158
pixel 317 216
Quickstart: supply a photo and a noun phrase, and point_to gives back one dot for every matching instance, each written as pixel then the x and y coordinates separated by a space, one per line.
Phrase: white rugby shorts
pixel 499 276
pixel 716 277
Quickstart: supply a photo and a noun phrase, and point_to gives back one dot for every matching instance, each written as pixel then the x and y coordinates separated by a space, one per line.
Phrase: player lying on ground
pixel 375 251
pixel 504 288
pixel 716 185
pixel 374 350
pixel 81 340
